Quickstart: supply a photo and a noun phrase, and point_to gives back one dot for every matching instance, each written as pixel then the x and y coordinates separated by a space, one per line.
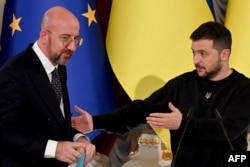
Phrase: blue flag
pixel 89 80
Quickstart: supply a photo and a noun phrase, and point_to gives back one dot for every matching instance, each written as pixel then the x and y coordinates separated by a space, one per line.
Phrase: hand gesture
pixel 170 120
pixel 84 122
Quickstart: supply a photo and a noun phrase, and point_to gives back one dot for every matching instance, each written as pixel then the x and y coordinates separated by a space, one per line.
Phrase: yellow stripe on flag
pixel 237 20
pixel 148 43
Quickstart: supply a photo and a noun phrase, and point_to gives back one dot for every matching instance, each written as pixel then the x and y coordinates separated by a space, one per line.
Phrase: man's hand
pixel 170 120
pixel 84 122
pixel 90 149
pixel 69 152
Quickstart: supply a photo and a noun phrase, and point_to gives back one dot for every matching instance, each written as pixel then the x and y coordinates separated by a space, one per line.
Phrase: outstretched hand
pixel 170 120
pixel 84 122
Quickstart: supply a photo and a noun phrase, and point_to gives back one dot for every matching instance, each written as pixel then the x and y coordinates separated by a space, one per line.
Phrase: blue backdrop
pixel 89 81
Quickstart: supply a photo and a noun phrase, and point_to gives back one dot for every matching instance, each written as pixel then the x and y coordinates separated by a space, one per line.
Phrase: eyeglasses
pixel 67 39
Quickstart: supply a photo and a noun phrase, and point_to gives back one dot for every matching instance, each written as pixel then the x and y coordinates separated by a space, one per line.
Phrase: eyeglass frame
pixel 66 39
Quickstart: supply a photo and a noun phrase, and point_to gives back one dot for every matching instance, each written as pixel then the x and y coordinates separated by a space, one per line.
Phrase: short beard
pixel 60 61
pixel 214 72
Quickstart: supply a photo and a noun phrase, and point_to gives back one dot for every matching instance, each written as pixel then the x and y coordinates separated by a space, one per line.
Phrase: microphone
pixel 189 115
pixel 217 113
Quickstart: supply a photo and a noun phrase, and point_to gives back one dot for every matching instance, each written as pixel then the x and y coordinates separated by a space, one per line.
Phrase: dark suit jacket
pixel 30 113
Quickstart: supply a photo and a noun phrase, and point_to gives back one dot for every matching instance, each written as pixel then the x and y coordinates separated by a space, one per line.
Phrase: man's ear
pixel 44 34
pixel 225 54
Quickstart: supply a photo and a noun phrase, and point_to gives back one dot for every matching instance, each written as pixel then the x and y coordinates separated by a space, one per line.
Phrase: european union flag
pixel 89 79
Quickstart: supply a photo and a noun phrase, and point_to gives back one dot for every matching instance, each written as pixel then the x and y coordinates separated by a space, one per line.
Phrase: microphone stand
pixel 224 129
pixel 189 115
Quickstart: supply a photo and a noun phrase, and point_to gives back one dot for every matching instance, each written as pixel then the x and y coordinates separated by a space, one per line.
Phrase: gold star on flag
pixel 90 15
pixel 15 24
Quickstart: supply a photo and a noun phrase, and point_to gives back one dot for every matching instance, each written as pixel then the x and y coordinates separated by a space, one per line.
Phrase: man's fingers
pixel 79 110
pixel 172 107
pixel 156 115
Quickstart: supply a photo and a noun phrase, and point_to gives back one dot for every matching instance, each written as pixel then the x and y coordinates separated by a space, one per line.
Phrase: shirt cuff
pixel 50 151
pixel 80 135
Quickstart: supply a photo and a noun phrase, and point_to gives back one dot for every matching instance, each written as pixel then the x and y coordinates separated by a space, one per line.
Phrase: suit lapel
pixel 43 86
pixel 63 77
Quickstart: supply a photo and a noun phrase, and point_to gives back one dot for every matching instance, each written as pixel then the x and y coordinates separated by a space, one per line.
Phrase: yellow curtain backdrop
pixel 148 43
pixel 237 20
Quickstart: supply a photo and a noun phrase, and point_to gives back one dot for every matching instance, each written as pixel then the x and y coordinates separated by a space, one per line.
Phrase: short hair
pixel 221 36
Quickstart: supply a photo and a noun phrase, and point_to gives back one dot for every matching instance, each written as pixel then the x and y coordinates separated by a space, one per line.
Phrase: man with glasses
pixel 35 126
